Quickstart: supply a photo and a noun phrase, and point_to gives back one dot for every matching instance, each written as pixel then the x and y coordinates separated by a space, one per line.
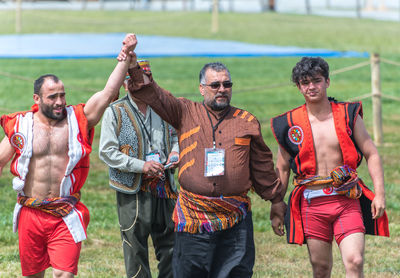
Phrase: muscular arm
pixel 6 153
pixel 96 105
pixel 375 168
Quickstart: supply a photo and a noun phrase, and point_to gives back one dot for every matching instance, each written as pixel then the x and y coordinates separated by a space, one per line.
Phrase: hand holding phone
pixel 172 160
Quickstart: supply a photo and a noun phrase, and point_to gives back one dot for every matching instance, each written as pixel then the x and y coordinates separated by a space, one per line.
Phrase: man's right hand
pixel 153 168
pixel 129 45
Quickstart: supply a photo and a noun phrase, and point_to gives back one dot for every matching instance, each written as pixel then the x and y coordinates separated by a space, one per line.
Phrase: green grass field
pixel 261 85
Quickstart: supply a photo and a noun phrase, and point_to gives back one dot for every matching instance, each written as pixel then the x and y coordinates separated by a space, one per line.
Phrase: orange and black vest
pixel 292 130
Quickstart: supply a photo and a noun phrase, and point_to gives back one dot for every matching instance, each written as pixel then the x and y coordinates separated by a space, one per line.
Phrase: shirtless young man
pixel 314 140
pixel 51 144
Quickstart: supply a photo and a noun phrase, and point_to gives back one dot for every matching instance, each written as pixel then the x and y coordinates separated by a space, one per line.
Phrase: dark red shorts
pixel 44 241
pixel 325 217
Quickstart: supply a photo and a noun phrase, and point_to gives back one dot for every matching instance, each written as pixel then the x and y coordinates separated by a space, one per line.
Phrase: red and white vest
pixel 19 129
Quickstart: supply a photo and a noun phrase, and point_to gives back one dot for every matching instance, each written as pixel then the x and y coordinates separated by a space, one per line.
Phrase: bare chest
pixel 326 145
pixel 49 141
pixel 324 132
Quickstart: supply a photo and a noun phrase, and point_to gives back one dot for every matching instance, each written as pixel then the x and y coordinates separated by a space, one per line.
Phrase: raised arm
pixel 142 86
pixel 96 105
pixel 6 153
pixel 375 168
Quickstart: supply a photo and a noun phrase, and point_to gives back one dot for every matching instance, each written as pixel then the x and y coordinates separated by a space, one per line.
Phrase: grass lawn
pixel 261 86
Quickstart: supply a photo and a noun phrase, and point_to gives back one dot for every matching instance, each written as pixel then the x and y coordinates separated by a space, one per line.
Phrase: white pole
pixel 376 99
pixel 358 9
pixel 214 20
pixel 18 18
pixel 308 7
pixel 84 5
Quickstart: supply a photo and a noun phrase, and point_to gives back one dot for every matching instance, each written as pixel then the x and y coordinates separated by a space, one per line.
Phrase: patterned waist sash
pixel 343 179
pixel 196 213
pixel 58 206
pixel 160 188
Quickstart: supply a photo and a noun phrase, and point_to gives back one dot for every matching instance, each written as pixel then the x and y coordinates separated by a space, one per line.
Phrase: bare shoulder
pixel 360 131
pixel 6 151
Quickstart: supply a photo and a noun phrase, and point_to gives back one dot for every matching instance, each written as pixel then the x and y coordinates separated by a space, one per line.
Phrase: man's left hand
pixel 378 207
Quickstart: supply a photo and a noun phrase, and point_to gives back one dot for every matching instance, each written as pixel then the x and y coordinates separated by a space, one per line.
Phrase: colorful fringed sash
pixel 343 179
pixel 159 188
pixel 196 214
pixel 58 206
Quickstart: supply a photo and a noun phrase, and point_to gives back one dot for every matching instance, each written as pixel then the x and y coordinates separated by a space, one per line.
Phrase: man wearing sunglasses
pixel 222 156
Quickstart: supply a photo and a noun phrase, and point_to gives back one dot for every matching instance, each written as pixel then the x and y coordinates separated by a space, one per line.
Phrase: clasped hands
pixel 128 46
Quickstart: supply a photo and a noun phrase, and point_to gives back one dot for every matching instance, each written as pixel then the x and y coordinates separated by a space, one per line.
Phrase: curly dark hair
pixel 309 67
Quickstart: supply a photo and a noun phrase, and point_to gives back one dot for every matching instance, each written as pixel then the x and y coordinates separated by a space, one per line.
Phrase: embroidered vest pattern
pixel 132 142
pixel 293 132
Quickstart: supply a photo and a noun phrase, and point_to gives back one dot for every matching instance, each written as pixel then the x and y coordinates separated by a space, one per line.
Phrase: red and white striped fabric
pixel 19 129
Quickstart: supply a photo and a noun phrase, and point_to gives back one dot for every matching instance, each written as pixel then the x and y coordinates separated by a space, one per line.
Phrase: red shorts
pixel 336 215
pixel 44 241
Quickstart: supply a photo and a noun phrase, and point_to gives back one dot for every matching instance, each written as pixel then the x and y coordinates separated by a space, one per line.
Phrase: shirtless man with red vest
pixel 323 143
pixel 50 146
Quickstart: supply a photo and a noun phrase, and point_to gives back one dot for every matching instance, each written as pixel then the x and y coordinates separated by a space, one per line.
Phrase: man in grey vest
pixel 141 151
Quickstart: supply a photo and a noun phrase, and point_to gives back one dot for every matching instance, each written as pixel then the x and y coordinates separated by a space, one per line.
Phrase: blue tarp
pixel 84 45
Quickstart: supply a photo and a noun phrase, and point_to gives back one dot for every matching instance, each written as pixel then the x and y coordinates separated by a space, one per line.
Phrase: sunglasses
pixel 216 85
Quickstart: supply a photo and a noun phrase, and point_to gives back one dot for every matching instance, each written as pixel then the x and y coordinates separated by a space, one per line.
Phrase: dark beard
pixel 218 106
pixel 48 112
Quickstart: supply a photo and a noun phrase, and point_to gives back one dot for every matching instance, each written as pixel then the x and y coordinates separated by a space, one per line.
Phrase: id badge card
pixel 153 156
pixel 214 162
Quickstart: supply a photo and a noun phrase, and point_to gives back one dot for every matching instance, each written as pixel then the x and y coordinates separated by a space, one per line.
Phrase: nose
pixel 311 84
pixel 59 101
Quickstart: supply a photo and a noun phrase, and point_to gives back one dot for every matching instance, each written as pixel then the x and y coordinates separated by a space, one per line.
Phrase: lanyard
pixel 215 127
pixel 144 126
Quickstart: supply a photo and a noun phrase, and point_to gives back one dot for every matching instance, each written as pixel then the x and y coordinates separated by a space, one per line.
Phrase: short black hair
pixel 37 86
pixel 216 66
pixel 309 67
